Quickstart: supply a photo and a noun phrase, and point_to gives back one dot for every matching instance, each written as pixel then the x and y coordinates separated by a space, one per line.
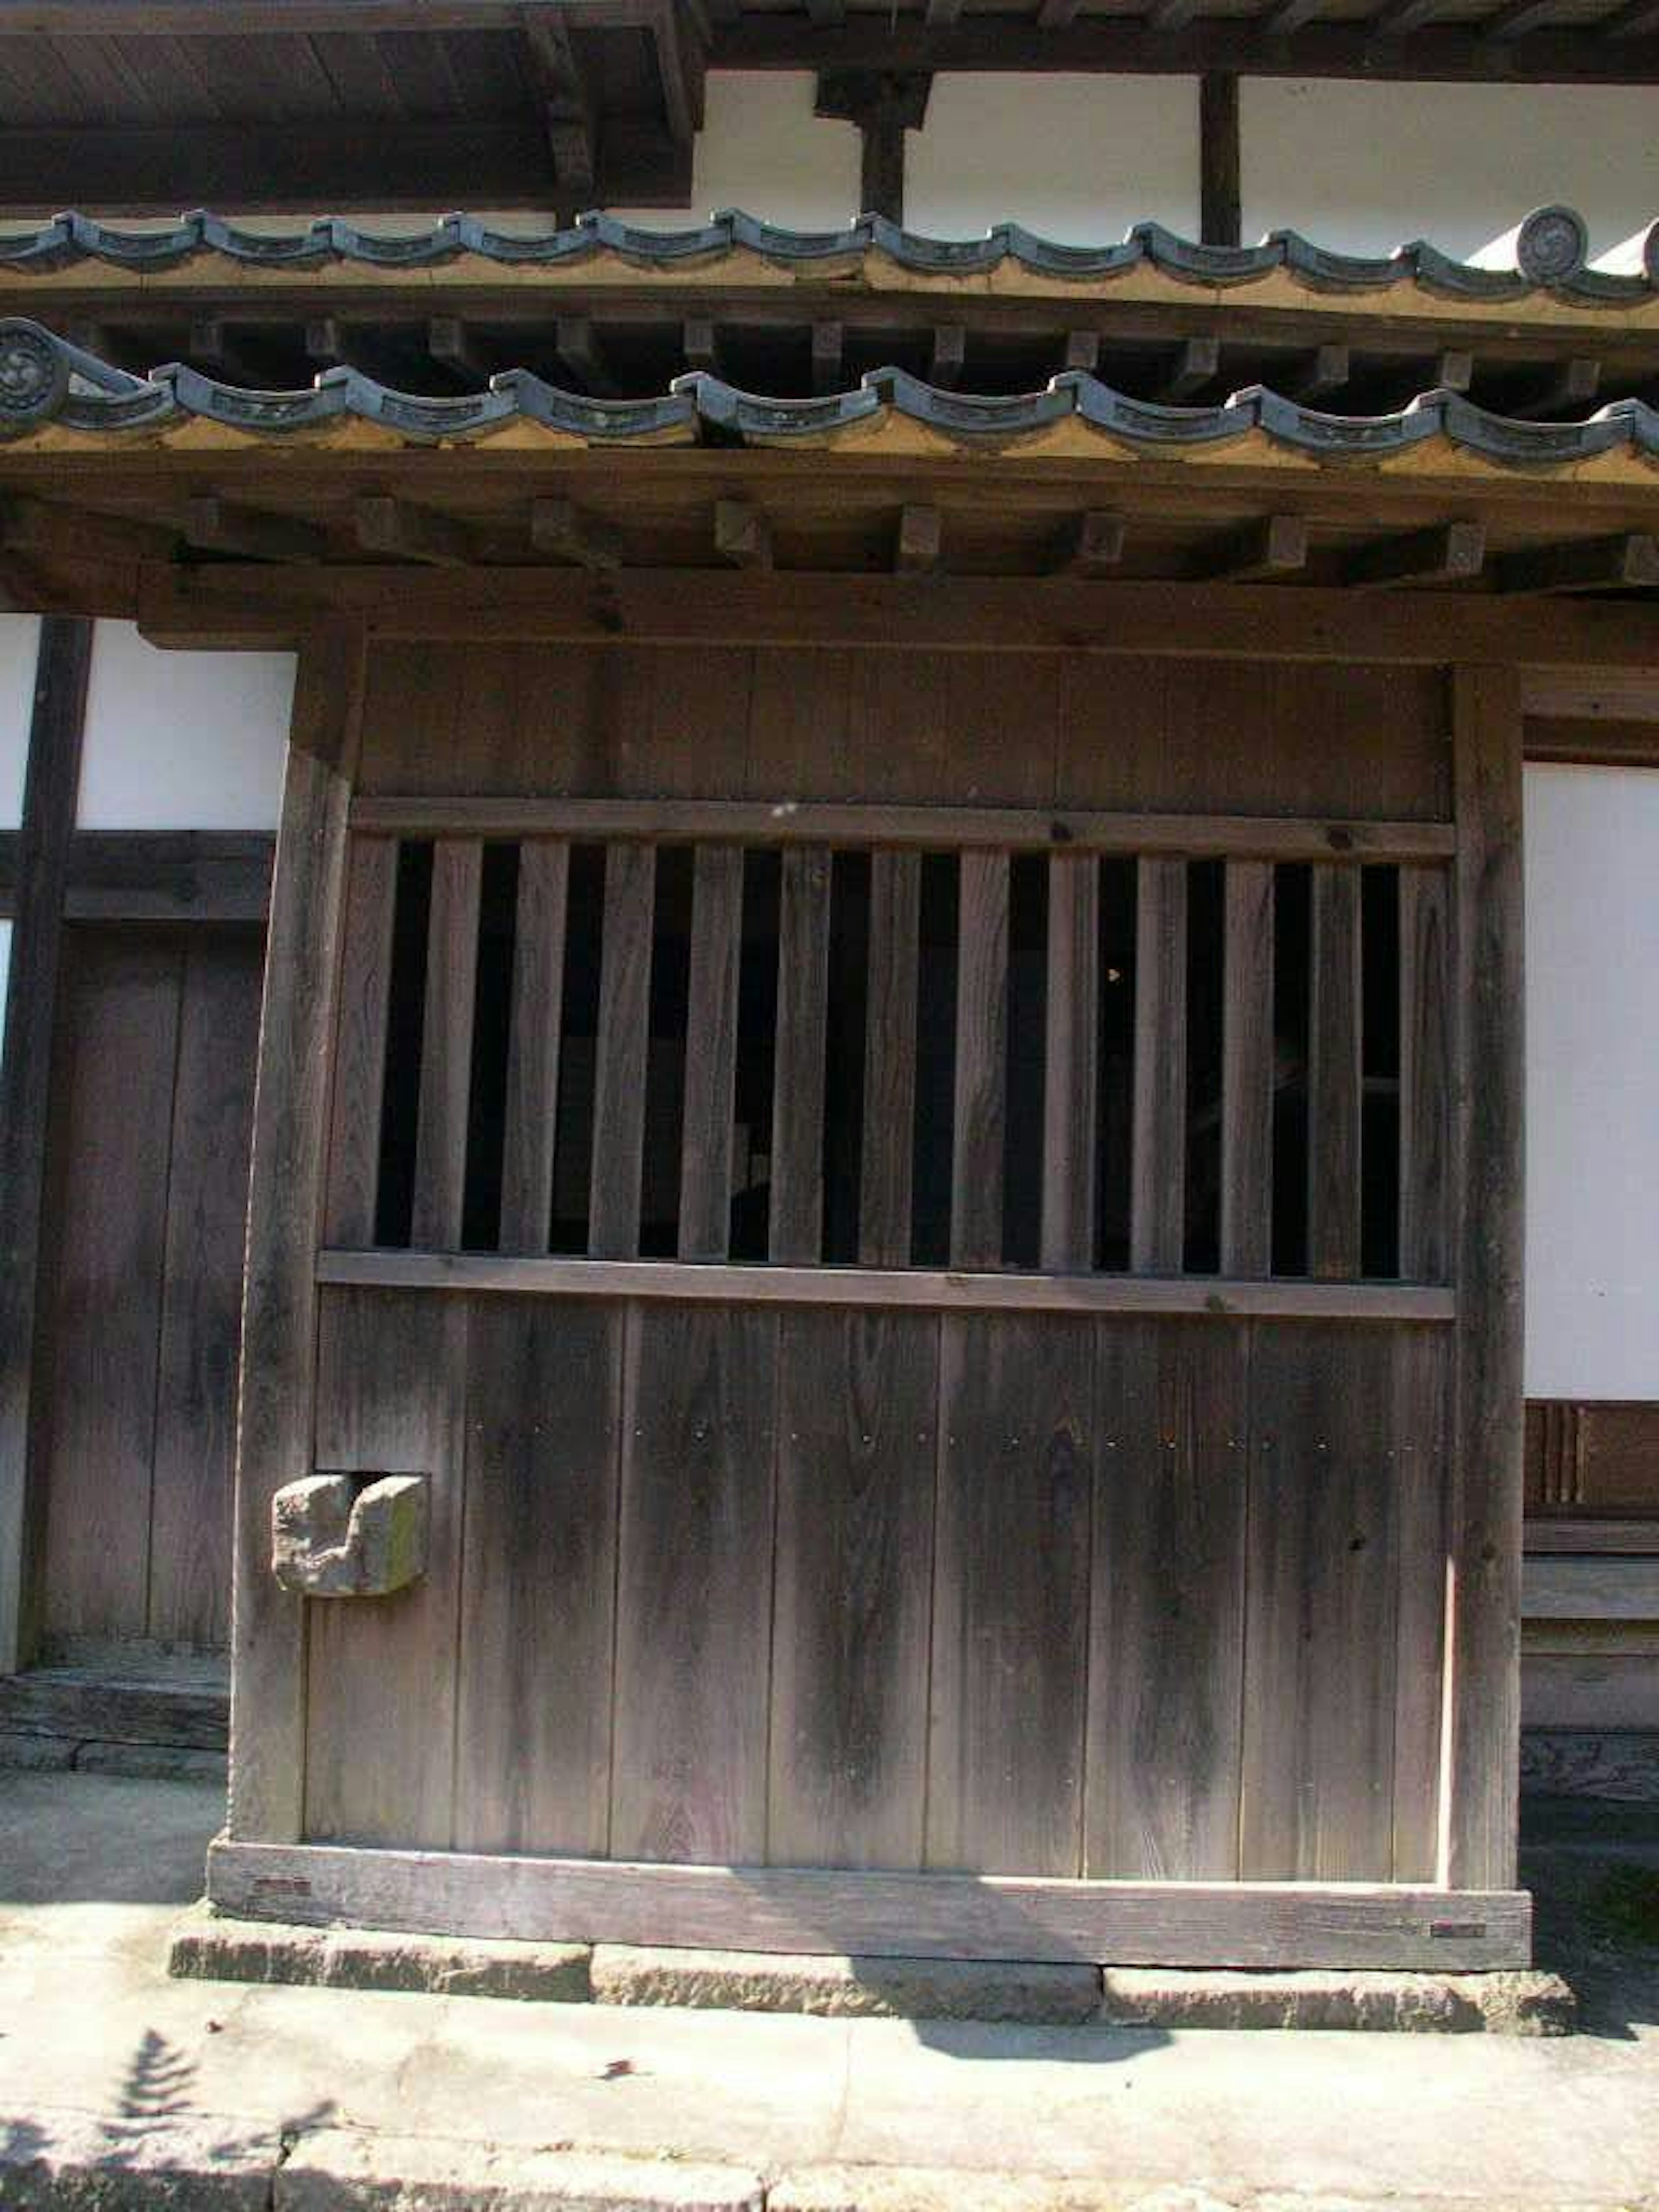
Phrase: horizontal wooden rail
pixel 914 1287
pixel 1215 836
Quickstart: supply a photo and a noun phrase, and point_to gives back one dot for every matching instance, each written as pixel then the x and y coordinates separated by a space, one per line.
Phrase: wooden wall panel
pixel 542 1428
pixel 1419 1449
pixel 1593 1458
pixel 1168 1600
pixel 856 1450
pixel 379 1764
pixel 1011 1596
pixel 694 1585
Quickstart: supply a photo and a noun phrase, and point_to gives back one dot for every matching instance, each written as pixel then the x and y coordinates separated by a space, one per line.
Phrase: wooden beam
pixel 1289 16
pixel 1196 363
pixel 1165 17
pixel 1325 370
pixel 949 349
pixel 1518 18
pixel 398 529
pixel 699 344
pixel 828 345
pixel 213 525
pixel 1592 744
pixel 168 875
pixel 1591 695
pixel 76 533
pixel 220 351
pixel 582 357
pixel 566 105
pixel 743 535
pixel 1056 14
pixel 1081 352
pixel 1569 387
pixel 1220 193
pixel 1454 370
pixel 1625 563
pixel 1401 17
pixel 455 347
pixel 52 784
pixel 1094 544
pixel 108 19
pixel 1447 553
pixel 918 548
pixel 279 1310
pixel 884 104
pixel 1275 546
pixel 558 527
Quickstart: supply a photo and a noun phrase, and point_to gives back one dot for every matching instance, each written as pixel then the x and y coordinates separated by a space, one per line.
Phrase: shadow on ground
pixel 1593 1869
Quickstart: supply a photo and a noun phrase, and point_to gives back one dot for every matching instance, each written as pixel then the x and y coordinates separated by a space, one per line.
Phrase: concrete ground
pixel 311 2100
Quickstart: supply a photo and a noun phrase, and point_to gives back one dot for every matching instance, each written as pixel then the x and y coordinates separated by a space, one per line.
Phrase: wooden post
pixel 884 106
pixel 51 787
pixel 279 1311
pixel 1221 215
pixel 1482 1779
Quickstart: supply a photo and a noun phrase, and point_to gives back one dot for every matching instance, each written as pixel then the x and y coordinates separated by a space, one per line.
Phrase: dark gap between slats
pixel 844 1054
pixel 1293 916
pixel 664 1066
pixel 936 1060
pixel 1379 923
pixel 1028 998
pixel 486 1121
pixel 757 1025
pixel 1206 988
pixel 573 1156
pixel 1116 1068
pixel 405 1027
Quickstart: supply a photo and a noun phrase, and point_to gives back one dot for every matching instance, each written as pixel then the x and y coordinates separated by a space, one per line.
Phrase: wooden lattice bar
pixel 452 970
pixel 1247 1072
pixel 796 1220
pixel 360 1049
pixel 630 876
pixel 890 1063
pixel 981 1104
pixel 1157 1204
pixel 711 1042
pixel 533 1068
pixel 1072 1069
pixel 1334 1076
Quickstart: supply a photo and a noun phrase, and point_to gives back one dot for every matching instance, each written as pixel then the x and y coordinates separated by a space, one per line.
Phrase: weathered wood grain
pixel 1246 1071
pixel 630 879
pixel 532 1057
pixel 890 1060
pixel 1167 1601
pixel 980 1114
pixel 1334 1076
pixel 711 1054
pixel 858 1398
pixel 1072 1064
pixel 1158 1166
pixel 1420 1436
pixel 451 983
pixel 359 1087
pixel 795 1231
pixel 1425 1075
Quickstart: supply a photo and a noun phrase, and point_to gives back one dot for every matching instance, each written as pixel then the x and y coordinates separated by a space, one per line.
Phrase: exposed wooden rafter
pixel 1594 564
pixel 884 104
pixel 1450 553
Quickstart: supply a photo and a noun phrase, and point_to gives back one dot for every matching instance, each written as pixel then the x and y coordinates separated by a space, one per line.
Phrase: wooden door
pixel 153 1104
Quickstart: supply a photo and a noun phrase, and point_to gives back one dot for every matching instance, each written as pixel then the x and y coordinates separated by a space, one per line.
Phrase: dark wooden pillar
pixel 1484 1598
pixel 1219 158
pixel 279 1310
pixel 50 790
pixel 884 104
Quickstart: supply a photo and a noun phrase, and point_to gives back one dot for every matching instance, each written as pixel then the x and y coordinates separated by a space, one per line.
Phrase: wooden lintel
pixel 395 527
pixel 213 525
pixel 1621 562
pixel 918 549
pixel 1591 695
pixel 1449 553
pixel 28 525
pixel 558 527
pixel 1196 362
pixel 1592 744
pixel 1275 546
pixel 743 535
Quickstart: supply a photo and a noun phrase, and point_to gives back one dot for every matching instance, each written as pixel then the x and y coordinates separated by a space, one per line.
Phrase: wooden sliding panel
pixel 542 1430
pixel 1166 1659
pixel 360 1039
pixel 694 1585
pixel 711 1052
pixel 391 1399
pixel 1005 1774
pixel 1071 1065
pixel 630 882
pixel 285 1204
pixel 1483 1654
pixel 796 1225
pixel 857 1408
pixel 1158 1205
pixel 1247 1072
pixel 890 1060
pixel 982 1069
pixel 1335 1077
pixel 532 1056
pixel 452 980
pixel 1425 1075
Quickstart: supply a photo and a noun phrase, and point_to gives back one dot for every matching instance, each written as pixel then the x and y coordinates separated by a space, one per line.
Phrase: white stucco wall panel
pixel 182 740
pixel 1592 1013
pixel 20 648
pixel 762 149
pixel 1364 167
pixel 1077 159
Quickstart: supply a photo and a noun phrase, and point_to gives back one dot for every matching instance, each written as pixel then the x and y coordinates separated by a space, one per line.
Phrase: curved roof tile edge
pixel 1551 251
pixel 45 381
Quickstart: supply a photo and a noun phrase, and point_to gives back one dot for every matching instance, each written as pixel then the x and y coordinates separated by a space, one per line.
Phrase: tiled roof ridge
pixel 44 380
pixel 1550 247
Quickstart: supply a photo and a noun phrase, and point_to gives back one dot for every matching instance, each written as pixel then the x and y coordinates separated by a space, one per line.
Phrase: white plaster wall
pixel 762 149
pixel 182 740
pixel 1592 1014
pixel 20 646
pixel 1364 168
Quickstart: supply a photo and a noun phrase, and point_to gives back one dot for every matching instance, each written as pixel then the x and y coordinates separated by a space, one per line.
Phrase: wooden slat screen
pixel 892 1056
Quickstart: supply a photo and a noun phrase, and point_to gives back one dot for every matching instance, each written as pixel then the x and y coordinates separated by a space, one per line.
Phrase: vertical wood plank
pixel 890 1060
pixel 1010 1637
pixel 694 1586
pixel 1483 1775
pixel 1425 1074
pixel 274 1413
pixel 382 1675
pixel 796 1223
pixel 452 982
pixel 1320 1606
pixel 1157 1204
pixel 207 1225
pixel 982 1069
pixel 630 882
pixel 711 1052
pixel 52 785
pixel 859 1395
pixel 1070 1140
pixel 1167 1601
pixel 532 1053
pixel 359 1094
pixel 1335 1007
pixel 1247 1072
pixel 1421 1438
pixel 533 1744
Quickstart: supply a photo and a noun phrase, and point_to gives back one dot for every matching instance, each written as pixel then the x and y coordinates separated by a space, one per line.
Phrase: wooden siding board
pixel 1425 1074
pixel 981 1071
pixel 630 879
pixel 856 1426
pixel 533 1062
pixel 1334 1076
pixel 360 1041
pixel 1420 1444
pixel 1246 1074
pixel 452 977
pixel 889 1062
pixel 711 1052
pixel 1070 1137
pixel 795 1230
pixel 1158 1166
